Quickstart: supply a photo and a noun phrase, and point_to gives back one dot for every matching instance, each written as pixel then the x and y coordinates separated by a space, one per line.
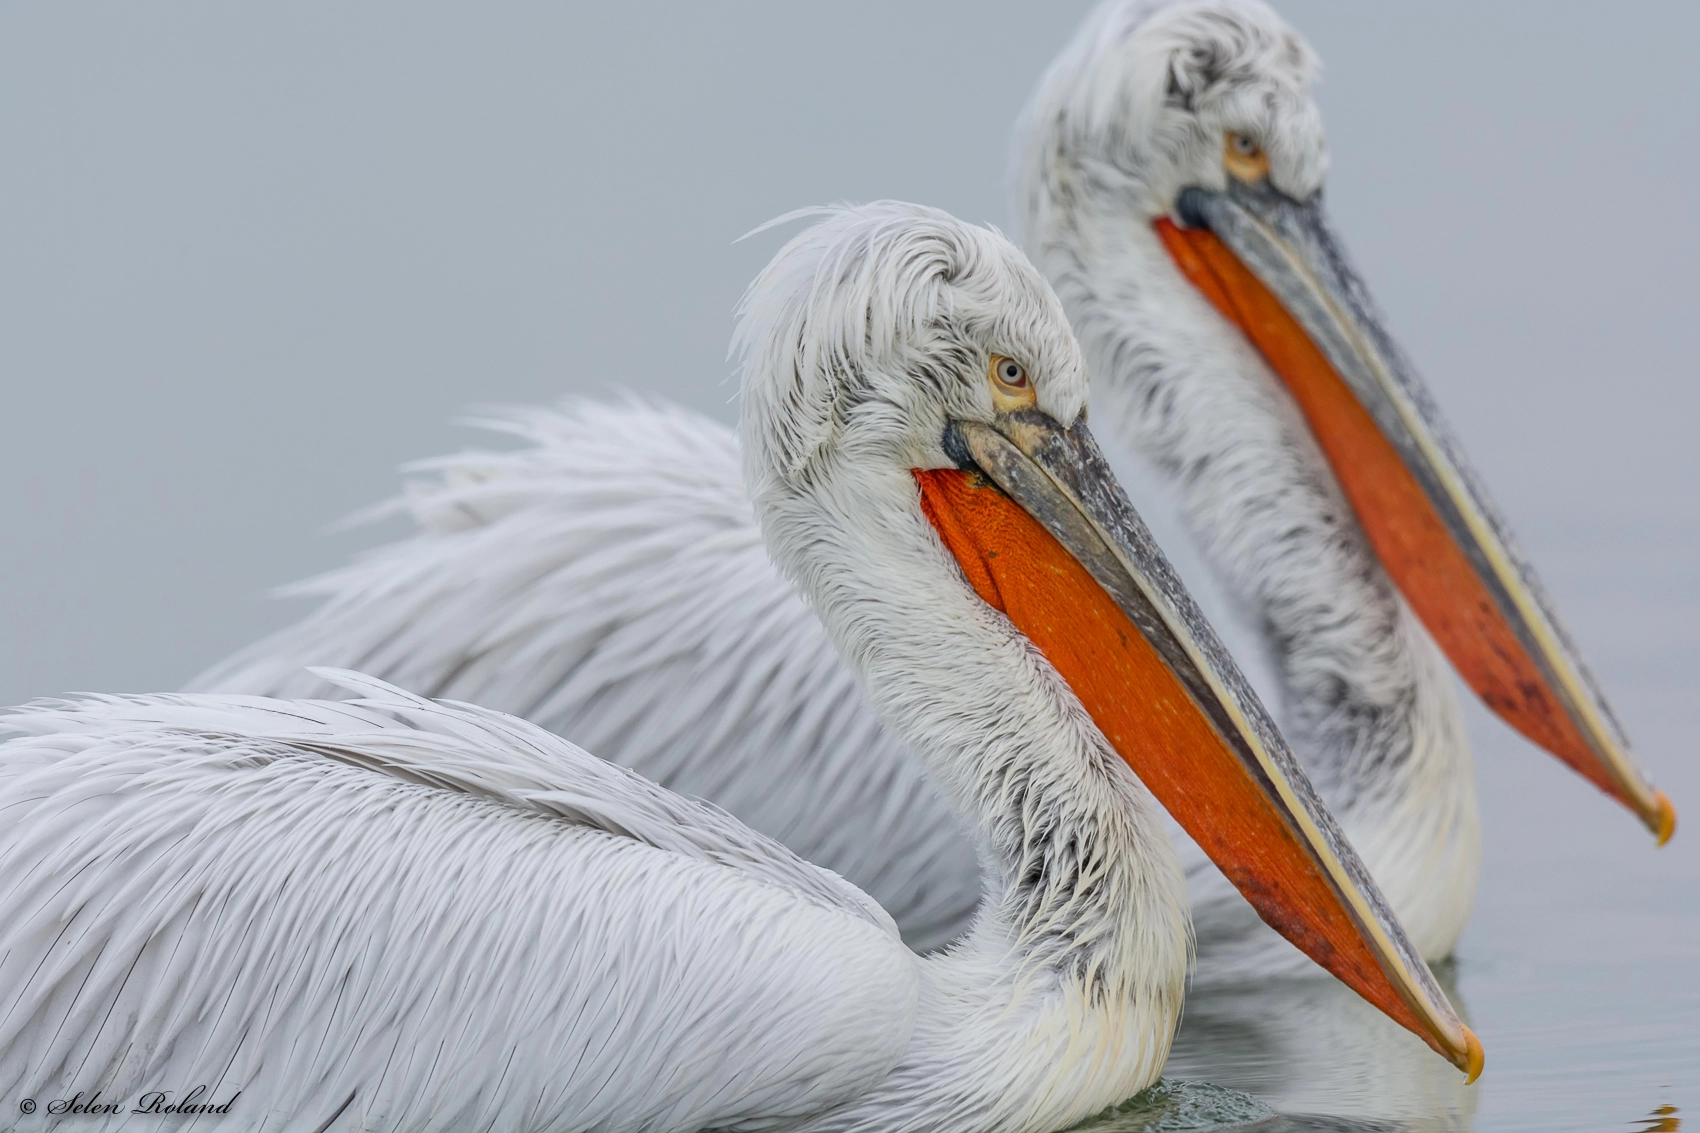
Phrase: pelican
pixel 395 913
pixel 1168 177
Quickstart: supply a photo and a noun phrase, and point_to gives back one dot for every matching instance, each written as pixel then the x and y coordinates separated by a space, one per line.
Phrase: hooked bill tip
pixel 1474 1056
pixel 1665 817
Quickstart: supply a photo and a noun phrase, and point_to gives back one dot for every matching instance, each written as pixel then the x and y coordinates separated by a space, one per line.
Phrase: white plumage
pixel 608 581
pixel 389 913
pixel 560 582
pixel 1130 113
pixel 395 914
pixel 399 914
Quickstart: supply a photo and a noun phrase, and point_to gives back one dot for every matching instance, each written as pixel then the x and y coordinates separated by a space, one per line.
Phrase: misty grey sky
pixel 253 257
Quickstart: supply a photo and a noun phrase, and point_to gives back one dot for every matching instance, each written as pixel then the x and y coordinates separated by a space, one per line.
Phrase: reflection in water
pixel 1663 1120
pixel 1300 1055
pixel 1322 1057
pixel 1304 1055
pixel 1579 958
pixel 1175 1106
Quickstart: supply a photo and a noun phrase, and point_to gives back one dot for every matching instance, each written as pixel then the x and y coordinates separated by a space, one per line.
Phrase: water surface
pixel 1580 969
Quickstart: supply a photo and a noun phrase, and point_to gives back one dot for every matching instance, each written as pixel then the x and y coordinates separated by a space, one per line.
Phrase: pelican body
pixel 400 914
pixel 1168 178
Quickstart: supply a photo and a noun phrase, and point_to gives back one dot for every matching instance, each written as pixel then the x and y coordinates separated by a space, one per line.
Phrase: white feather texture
pixel 566 581
pixel 374 914
pixel 1132 111
pixel 392 913
pixel 608 582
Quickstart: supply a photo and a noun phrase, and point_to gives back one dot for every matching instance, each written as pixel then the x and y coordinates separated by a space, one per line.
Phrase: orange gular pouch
pixel 1408 535
pixel 1152 721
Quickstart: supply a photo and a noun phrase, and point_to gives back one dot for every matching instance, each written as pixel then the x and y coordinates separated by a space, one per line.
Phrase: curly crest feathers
pixel 1143 91
pixel 839 298
pixel 870 306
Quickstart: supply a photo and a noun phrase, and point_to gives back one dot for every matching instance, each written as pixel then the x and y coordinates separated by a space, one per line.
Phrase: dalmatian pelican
pixel 1168 176
pixel 394 913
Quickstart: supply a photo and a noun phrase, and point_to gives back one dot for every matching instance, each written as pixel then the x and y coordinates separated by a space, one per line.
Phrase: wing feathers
pixel 608 582
pixel 314 900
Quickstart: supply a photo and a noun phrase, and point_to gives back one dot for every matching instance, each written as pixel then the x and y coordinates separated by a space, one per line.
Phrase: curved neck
pixel 1365 696
pixel 1081 944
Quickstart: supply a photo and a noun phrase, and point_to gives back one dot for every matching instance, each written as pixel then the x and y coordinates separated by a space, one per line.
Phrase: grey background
pixel 254 256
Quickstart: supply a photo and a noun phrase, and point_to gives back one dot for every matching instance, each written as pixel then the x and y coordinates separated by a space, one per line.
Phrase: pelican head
pixel 1152 99
pixel 917 453
pixel 1169 174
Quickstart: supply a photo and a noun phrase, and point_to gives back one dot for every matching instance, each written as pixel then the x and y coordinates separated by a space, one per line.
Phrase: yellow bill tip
pixel 1474 1056
pixel 1663 819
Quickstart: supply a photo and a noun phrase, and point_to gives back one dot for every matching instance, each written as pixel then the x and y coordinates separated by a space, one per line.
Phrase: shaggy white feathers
pixel 897 295
pixel 371 915
pixel 608 582
pixel 1365 696
pixel 393 913
pixel 1134 108
pixel 1082 937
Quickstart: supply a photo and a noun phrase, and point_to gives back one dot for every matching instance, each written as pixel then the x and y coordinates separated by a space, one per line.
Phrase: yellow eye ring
pixel 1012 389
pixel 1243 158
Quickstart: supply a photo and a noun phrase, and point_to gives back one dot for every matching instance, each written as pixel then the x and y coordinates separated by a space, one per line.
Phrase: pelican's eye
pixel 1011 388
pixel 1243 157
